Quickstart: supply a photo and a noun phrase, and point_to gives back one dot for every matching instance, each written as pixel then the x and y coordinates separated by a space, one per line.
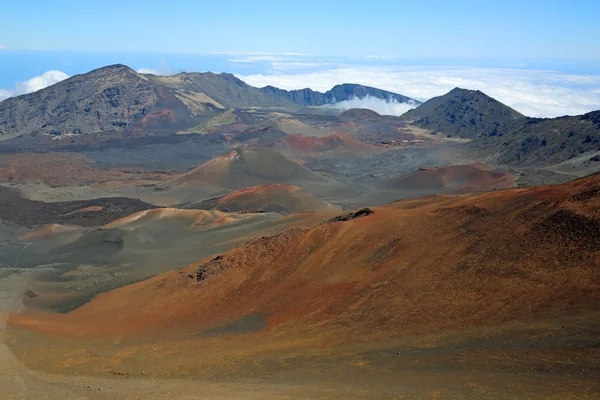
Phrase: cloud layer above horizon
pixel 535 93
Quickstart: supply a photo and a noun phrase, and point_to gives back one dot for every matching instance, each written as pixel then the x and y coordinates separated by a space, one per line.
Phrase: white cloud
pixel 39 82
pixel 36 83
pixel 2 47
pixel 165 69
pixel 148 71
pixel 380 106
pixel 537 93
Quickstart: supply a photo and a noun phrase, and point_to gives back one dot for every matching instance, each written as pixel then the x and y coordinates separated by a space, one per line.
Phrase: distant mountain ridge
pixel 117 98
pixel 343 92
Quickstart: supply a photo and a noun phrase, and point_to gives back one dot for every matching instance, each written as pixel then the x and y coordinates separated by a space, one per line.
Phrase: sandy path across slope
pixel 17 382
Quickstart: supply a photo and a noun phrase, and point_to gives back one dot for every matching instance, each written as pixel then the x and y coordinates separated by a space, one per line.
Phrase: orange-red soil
pixel 158 117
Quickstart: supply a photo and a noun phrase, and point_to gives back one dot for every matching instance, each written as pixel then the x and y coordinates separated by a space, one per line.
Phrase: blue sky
pixel 473 29
pixel 537 46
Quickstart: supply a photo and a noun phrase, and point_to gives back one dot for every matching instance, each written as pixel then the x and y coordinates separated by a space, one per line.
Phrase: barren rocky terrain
pixel 191 236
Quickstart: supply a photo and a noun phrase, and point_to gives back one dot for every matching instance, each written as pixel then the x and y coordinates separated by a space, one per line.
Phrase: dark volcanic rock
pixel 363 212
pixel 587 195
pixel 213 267
pixel 472 211
pixel 17 210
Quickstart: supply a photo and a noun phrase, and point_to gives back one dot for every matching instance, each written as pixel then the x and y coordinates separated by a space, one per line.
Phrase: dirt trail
pixel 17 382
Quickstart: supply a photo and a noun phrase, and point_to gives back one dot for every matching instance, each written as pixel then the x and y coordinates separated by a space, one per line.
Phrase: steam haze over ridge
pixel 380 106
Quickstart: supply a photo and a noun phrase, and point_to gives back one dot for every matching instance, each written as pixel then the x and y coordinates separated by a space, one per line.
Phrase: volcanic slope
pixel 496 287
pixel 242 168
pixel 452 179
pixel 415 266
pixel 466 114
pixel 279 198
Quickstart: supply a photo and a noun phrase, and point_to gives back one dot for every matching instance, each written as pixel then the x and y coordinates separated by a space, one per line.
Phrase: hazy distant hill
pixel 116 98
pixel 464 113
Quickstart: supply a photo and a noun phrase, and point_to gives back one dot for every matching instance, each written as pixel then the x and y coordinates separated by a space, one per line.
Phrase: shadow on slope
pixel 71 264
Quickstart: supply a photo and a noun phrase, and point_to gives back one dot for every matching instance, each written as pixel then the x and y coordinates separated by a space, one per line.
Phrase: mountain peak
pixel 464 113
pixel 466 92
pixel 347 85
pixel 457 90
pixel 113 69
